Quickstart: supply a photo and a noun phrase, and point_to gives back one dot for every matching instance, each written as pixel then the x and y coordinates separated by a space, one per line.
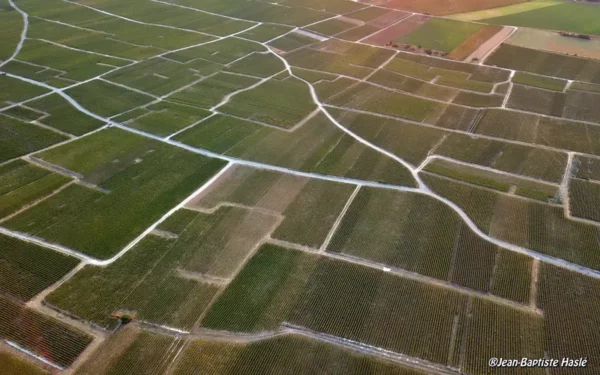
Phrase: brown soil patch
pixel 388 19
pixel 394 32
pixel 466 48
pixel 442 7
pixel 108 354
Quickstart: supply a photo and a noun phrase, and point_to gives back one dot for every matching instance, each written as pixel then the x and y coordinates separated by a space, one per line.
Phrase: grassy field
pixel 444 7
pixel 13 365
pixel 410 85
pixel 76 65
pixel 552 41
pixel 567 16
pixel 539 81
pixel 375 99
pixel 165 118
pixel 331 27
pixel 258 65
pixel 22 184
pixel 292 104
pixel 156 76
pixel 134 169
pixel 27 269
pixel 440 34
pixel 15 90
pixel 19 138
pixel 211 91
pixel 106 99
pixel 47 337
pixel 409 141
pixel 63 116
pixel 265 32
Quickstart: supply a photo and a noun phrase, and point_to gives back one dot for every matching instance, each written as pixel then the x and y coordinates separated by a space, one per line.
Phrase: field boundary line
pixel 23 36
pixel 82 50
pixel 32 354
pixel 339 219
pixel 136 21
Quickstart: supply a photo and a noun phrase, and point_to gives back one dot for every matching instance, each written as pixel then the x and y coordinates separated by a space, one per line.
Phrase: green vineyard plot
pixel 127 174
pixel 22 184
pixel 18 138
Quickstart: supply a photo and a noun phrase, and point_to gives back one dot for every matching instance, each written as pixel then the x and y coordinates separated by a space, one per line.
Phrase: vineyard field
pixel 584 198
pixel 165 118
pixel 151 178
pixel 539 81
pixel 47 337
pixel 27 269
pixel 22 184
pixel 18 138
pixel 258 65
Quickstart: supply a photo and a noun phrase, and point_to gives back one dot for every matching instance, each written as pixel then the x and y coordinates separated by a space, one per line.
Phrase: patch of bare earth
pixel 477 40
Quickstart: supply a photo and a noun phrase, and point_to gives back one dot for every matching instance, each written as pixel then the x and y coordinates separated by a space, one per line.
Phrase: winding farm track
pixel 421 189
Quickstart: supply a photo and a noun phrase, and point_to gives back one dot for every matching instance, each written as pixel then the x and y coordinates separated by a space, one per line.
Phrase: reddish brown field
pixel 442 7
pixel 475 41
pixel 394 32
pixel 388 19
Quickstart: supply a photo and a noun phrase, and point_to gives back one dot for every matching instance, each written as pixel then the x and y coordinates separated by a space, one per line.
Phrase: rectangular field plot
pixel 523 160
pixel 409 141
pixel 61 115
pixel 545 131
pixel 527 223
pixel 420 88
pixel 265 32
pixel 490 179
pixel 568 297
pixel 89 40
pixel 308 207
pixel 352 302
pixel 295 353
pixel 292 41
pixel 190 256
pixel 330 6
pixel 46 337
pixel 106 99
pixel 258 64
pixel 332 27
pixel 440 34
pixel 27 269
pixel 455 117
pixel 536 100
pixel 74 65
pixel 584 199
pixel 156 76
pixel 15 90
pixel 129 169
pixel 164 118
pixel 336 56
pixel 22 183
pixel 375 99
pixel 144 284
pixel 212 91
pixel 386 227
pixel 546 63
pixel 583 106
pixel 19 138
pixel 288 107
pixel 472 99
pixel 113 27
pixel 222 51
pixel 539 81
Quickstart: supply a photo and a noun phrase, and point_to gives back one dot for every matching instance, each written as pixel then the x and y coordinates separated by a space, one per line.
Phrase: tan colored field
pixel 442 7
pixel 553 42
pixel 466 48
